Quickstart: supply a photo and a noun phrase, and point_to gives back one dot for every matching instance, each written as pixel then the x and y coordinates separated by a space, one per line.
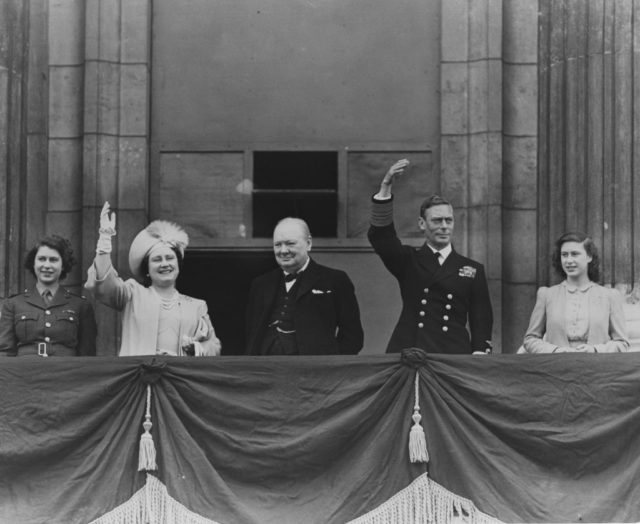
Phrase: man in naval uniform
pixel 302 307
pixel 442 291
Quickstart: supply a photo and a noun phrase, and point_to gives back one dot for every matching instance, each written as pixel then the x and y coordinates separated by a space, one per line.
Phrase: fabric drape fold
pixel 531 438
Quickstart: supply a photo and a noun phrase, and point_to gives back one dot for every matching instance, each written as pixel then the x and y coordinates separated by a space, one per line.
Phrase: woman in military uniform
pixel 48 319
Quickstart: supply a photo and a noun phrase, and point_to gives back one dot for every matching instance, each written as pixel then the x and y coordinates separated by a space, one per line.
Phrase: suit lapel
pixel 59 299
pixel 450 265
pixel 35 299
pixel 437 271
pixel 427 260
pixel 307 280
pixel 270 289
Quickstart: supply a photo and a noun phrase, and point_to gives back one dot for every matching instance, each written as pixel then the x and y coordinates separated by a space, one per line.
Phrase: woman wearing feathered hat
pixel 157 320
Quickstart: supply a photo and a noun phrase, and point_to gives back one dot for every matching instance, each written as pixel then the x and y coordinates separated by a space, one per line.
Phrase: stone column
pixel 13 63
pixel 66 81
pixel 519 153
pixel 471 134
pixel 116 131
pixel 589 147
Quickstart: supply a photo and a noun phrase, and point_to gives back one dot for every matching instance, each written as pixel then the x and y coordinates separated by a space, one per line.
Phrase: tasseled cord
pixel 147 454
pixel 417 440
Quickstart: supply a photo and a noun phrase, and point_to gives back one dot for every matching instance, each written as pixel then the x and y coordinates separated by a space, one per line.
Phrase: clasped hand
pixel 582 348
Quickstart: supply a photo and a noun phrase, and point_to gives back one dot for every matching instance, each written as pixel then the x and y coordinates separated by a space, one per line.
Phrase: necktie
pixel 437 255
pixel 46 296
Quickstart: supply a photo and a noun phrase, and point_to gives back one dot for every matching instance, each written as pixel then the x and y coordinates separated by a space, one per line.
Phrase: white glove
pixel 107 230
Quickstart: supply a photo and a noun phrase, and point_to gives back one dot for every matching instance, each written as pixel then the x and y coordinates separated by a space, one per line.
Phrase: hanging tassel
pixel 417 440
pixel 147 454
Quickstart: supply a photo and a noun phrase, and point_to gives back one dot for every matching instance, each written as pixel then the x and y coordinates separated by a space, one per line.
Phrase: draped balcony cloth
pixel 531 438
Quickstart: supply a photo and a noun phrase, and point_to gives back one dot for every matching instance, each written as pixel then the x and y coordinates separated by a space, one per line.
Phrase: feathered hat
pixel 159 231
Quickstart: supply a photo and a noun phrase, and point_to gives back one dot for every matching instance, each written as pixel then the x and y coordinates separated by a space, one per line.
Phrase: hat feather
pixel 170 233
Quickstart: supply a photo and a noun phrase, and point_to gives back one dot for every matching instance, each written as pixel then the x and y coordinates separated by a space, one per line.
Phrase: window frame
pixel 341 242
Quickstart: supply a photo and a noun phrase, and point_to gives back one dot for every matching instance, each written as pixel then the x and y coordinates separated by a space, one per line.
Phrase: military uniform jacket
pixel 326 316
pixel 437 301
pixel 67 325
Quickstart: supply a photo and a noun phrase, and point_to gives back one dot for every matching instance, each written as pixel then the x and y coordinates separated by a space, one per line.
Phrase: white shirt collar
pixel 289 284
pixel 444 252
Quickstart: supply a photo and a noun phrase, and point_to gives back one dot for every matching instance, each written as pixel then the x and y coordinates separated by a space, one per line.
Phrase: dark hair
pixel 144 266
pixel 431 201
pixel 593 269
pixel 58 243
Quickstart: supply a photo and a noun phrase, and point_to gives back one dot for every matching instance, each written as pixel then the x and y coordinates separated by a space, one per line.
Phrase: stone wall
pixel 86 137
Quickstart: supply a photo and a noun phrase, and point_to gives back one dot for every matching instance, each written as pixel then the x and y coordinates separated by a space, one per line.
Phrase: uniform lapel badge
pixel 467 271
pixel 320 291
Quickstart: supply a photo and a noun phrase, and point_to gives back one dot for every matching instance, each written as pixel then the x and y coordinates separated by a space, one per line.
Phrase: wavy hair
pixel 57 243
pixel 593 269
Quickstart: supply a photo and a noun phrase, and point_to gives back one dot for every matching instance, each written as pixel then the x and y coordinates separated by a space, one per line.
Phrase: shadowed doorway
pixel 223 280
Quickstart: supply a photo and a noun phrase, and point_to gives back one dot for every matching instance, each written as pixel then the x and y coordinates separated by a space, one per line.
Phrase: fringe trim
pixel 425 502
pixel 152 505
pixel 422 502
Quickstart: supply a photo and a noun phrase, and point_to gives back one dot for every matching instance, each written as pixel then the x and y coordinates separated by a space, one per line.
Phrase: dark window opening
pixel 302 184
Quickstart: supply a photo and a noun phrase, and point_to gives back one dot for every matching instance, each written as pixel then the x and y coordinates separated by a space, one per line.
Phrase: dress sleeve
pixel 534 339
pixel 617 326
pixel 110 290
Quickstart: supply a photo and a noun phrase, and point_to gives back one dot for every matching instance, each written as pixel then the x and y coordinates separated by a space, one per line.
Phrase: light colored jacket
pixel 141 313
pixel 607 325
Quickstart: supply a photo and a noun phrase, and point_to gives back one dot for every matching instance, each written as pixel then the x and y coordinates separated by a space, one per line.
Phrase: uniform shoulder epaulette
pixel 69 292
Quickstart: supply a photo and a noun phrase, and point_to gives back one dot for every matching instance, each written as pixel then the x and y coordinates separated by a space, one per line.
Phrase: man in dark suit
pixel 301 308
pixel 442 291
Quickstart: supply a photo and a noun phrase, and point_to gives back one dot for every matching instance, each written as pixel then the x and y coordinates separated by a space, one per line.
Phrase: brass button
pixel 47 312
pixel 445 328
pixel 426 289
pixel 449 296
pixel 422 313
pixel 448 306
pixel 423 301
pixel 47 324
pixel 420 325
pixel 47 339
pixel 446 317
